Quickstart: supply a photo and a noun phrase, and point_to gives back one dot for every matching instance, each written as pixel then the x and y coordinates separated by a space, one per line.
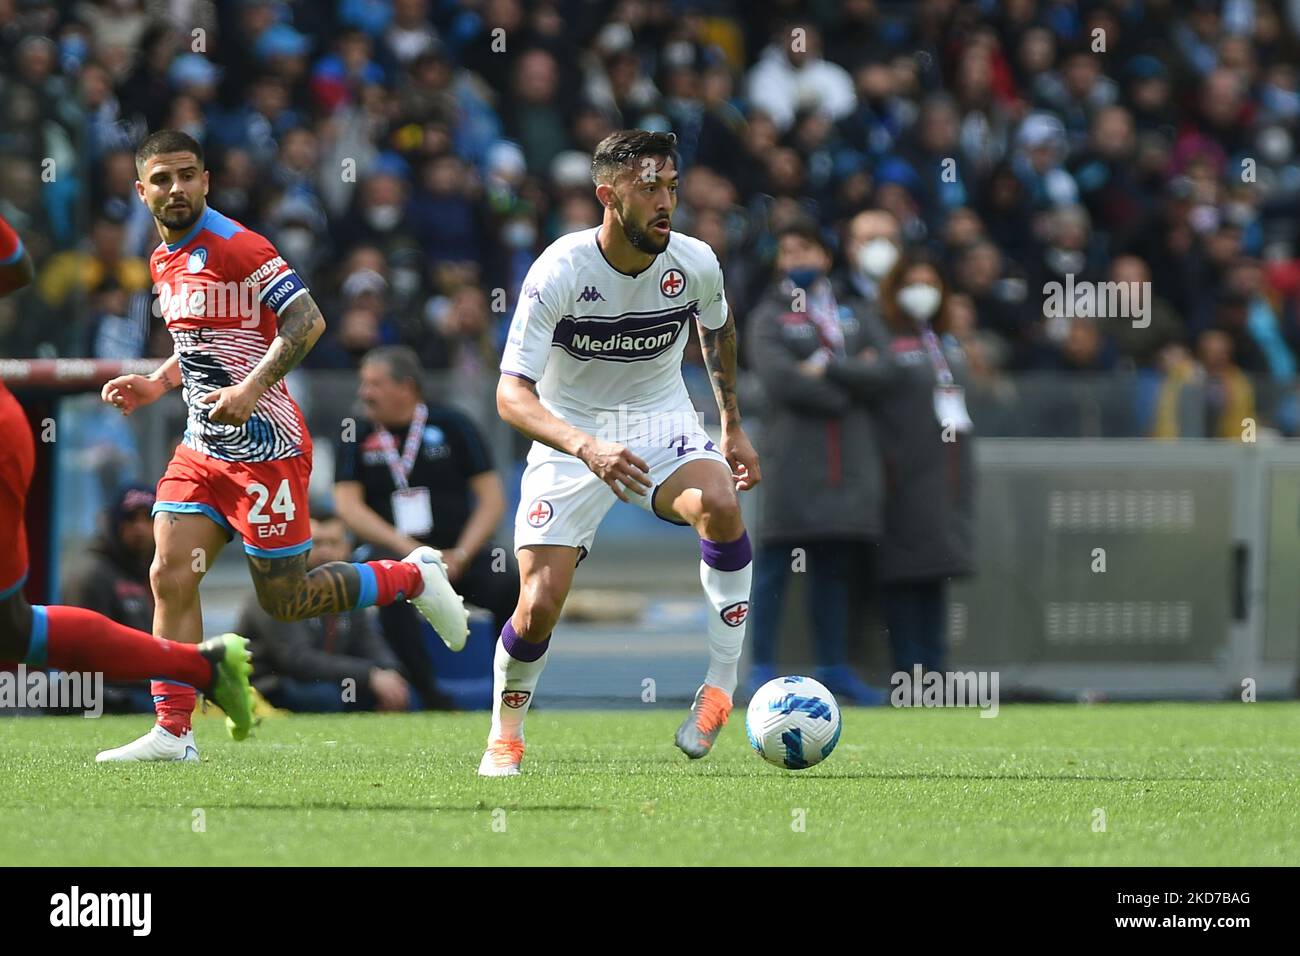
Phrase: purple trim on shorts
pixel 727 555
pixel 506 371
pixel 520 649
pixel 655 511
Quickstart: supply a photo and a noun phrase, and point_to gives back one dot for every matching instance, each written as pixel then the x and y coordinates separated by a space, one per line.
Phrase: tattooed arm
pixel 719 348
pixel 301 325
pixel 129 392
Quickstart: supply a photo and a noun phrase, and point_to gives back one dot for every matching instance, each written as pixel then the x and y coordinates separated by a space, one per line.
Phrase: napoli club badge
pixel 197 260
pixel 540 512
pixel 672 283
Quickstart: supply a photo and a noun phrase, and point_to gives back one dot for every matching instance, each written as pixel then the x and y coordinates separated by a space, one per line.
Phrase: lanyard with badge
pixel 949 397
pixel 412 510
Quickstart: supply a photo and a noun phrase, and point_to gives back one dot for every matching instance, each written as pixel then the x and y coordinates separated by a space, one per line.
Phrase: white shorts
pixel 561 501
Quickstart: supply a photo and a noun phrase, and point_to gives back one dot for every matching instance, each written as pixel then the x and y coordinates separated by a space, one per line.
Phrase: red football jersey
pixel 221 288
pixel 11 250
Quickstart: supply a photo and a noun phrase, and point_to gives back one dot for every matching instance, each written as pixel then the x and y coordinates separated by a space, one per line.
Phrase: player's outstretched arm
pixel 301 325
pixel 16 269
pixel 128 392
pixel 519 406
pixel 719 348
pixel 14 275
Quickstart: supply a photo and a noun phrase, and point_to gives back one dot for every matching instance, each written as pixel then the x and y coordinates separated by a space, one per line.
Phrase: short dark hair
pixel 402 364
pixel 807 231
pixel 167 141
pixel 617 150
pixel 323 513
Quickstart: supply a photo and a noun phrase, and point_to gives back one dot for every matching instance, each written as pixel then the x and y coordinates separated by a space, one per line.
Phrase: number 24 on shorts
pixel 281 504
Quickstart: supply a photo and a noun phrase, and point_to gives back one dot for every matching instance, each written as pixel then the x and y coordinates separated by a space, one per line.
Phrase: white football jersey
pixel 598 341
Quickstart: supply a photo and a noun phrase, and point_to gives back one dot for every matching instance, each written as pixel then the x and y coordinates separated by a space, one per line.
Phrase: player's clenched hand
pixel 742 458
pixel 232 405
pixel 128 392
pixel 617 467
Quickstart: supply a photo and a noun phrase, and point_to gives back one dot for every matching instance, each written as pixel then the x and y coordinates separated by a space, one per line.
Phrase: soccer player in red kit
pixel 241 319
pixel 71 638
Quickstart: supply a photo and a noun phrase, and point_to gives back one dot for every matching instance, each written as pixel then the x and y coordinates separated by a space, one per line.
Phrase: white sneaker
pixel 502 758
pixel 157 744
pixel 439 603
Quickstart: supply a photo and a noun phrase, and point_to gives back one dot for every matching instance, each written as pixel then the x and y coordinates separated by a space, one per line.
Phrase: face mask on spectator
pixel 803 278
pixel 406 282
pixel 519 234
pixel 1065 261
pixel 296 244
pixel 919 300
pixel 1281 102
pixel 73 50
pixel 877 257
pixel 383 218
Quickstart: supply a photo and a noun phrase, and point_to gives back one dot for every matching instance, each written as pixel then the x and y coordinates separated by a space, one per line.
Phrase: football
pixel 793 722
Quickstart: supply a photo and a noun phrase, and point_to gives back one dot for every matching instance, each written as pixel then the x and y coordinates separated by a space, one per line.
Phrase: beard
pixel 641 239
pixel 178 219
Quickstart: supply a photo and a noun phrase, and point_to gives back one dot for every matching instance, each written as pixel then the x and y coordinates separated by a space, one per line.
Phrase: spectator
pixel 421 474
pixel 324 664
pixel 1211 397
pixel 821 357
pixel 791 76
pixel 872 247
pixel 112 578
pixel 926 434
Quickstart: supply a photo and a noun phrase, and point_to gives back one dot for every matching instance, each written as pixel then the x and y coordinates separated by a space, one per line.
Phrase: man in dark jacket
pixel 326 664
pixel 821 357
pixel 421 474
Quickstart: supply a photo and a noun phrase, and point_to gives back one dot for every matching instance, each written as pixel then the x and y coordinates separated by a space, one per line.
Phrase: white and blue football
pixel 793 722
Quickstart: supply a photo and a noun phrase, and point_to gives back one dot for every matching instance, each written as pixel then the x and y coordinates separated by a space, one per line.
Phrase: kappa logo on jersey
pixel 540 512
pixel 514 699
pixel 590 294
pixel 623 338
pixel 672 283
pixel 197 260
pixel 733 615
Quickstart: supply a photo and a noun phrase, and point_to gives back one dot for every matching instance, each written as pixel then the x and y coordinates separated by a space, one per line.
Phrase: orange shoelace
pixel 507 750
pixel 713 711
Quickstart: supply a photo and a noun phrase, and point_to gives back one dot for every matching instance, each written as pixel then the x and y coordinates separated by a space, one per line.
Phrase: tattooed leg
pixel 289 592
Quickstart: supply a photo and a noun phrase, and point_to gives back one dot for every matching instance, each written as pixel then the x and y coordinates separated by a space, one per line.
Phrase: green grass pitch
pixel 1178 784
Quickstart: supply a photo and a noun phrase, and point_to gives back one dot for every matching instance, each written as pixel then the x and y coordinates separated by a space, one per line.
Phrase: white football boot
pixel 157 744
pixel 502 757
pixel 439 603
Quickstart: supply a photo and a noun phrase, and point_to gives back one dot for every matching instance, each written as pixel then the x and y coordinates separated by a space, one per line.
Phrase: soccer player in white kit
pixel 592 374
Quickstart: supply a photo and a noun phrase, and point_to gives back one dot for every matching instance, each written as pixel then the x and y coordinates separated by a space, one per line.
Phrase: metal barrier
pixel 1134 567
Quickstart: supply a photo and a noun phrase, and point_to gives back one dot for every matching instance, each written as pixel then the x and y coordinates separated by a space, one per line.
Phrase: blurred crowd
pixel 412 157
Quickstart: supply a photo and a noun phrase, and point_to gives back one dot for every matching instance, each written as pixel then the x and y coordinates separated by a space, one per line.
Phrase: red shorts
pixel 264 502
pixel 17 459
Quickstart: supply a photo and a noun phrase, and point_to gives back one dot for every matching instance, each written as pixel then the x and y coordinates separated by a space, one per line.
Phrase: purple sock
pixel 727 555
pixel 520 649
